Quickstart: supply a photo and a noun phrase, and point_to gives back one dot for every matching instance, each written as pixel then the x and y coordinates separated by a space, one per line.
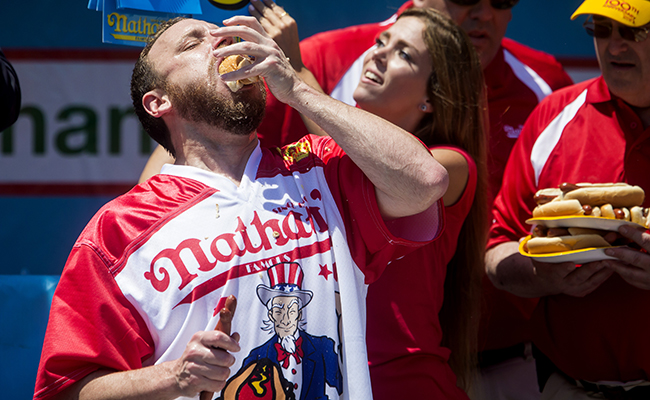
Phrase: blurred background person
pixel 589 323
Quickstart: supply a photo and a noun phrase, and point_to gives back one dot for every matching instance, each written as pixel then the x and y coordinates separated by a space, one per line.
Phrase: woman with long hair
pixel 423 312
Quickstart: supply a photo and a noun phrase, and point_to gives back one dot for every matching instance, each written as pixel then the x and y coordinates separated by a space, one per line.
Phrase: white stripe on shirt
pixel 529 77
pixel 550 136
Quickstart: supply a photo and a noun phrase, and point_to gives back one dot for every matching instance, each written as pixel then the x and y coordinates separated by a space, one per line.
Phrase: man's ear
pixel 156 102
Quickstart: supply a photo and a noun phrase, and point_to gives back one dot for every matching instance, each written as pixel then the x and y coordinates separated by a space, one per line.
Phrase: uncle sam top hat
pixel 628 12
pixel 286 280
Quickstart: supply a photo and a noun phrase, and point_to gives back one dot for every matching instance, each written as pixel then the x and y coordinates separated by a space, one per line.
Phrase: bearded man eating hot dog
pixel 589 324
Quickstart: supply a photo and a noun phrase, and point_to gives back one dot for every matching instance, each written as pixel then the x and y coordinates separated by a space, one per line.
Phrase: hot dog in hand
pixel 234 63
pixel 555 240
pixel 605 200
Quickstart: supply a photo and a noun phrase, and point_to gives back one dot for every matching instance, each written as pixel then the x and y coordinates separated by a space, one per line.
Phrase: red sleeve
pixel 91 326
pixel 373 243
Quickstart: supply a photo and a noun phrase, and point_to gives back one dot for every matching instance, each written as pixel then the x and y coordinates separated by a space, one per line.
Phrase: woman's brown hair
pixel 457 93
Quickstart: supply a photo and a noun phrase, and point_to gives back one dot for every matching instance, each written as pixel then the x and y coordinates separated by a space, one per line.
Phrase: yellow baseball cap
pixel 627 12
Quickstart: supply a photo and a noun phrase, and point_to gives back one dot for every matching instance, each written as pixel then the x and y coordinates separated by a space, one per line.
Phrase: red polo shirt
pixel 581 134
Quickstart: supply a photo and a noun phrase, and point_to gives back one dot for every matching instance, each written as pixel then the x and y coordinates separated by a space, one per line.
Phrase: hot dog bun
pixel 543 196
pixel 557 244
pixel 616 194
pixel 558 208
pixel 605 200
pixel 233 63
pixel 640 215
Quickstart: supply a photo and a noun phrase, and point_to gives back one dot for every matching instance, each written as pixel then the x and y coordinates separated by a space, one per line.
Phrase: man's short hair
pixel 144 79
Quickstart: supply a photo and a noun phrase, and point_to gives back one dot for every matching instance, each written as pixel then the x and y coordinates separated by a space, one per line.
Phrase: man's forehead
pixel 179 31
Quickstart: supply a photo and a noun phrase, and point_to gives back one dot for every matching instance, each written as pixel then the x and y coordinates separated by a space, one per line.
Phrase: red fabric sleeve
pixel 91 327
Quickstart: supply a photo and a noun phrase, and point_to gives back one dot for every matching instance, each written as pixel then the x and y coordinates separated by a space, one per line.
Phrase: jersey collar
pixel 216 180
pixel 598 92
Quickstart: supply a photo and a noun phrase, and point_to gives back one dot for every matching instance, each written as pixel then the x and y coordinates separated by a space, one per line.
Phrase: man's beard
pixel 239 114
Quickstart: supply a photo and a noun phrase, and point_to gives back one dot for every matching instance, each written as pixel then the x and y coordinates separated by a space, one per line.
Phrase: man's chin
pixel 486 55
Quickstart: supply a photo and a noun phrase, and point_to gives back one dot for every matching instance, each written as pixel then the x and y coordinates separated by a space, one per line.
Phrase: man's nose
pixel 482 10
pixel 617 44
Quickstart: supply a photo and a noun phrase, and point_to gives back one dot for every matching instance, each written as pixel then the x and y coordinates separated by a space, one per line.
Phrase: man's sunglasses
pixel 497 4
pixel 603 30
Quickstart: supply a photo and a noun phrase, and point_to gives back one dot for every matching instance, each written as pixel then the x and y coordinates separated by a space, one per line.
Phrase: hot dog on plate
pixel 605 200
pixel 557 244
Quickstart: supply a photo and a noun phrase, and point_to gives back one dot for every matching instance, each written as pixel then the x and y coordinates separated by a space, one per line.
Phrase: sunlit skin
pixel 392 83
pixel 184 54
pixel 625 65
pixel 285 315
pixel 486 26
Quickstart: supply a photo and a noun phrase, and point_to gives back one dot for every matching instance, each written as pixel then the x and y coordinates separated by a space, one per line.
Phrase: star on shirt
pixel 324 271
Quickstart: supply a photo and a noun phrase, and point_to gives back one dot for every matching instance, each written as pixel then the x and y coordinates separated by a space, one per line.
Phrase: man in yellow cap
pixel 590 324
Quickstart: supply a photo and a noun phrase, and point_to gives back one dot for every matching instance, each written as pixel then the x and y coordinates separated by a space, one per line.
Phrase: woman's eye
pixel 379 43
pixel 404 55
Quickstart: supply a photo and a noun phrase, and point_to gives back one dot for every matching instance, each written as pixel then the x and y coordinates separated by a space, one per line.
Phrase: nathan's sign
pixel 130 27
pixel 76 128
pixel 125 27
pixel 130 22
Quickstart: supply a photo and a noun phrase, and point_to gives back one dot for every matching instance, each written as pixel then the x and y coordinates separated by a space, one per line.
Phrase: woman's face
pixel 394 79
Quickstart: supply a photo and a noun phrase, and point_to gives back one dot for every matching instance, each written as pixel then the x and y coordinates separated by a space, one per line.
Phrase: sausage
pixel 224 325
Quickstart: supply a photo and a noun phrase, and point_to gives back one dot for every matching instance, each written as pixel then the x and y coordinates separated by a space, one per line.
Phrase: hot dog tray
pixel 607 224
pixel 581 256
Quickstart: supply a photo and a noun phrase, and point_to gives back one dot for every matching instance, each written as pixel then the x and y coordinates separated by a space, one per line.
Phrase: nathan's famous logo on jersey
pixel 299 223
pixel 629 11
pixel 229 4
pixel 296 151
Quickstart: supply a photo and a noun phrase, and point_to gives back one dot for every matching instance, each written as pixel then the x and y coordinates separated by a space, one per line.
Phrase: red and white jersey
pixel 155 265
pixel 581 134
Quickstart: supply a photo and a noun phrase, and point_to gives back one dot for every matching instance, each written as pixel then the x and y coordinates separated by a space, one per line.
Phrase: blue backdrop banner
pixel 130 22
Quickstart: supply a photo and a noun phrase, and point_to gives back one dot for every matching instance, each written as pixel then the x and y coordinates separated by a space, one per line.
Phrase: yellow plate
pixel 581 256
pixel 581 222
